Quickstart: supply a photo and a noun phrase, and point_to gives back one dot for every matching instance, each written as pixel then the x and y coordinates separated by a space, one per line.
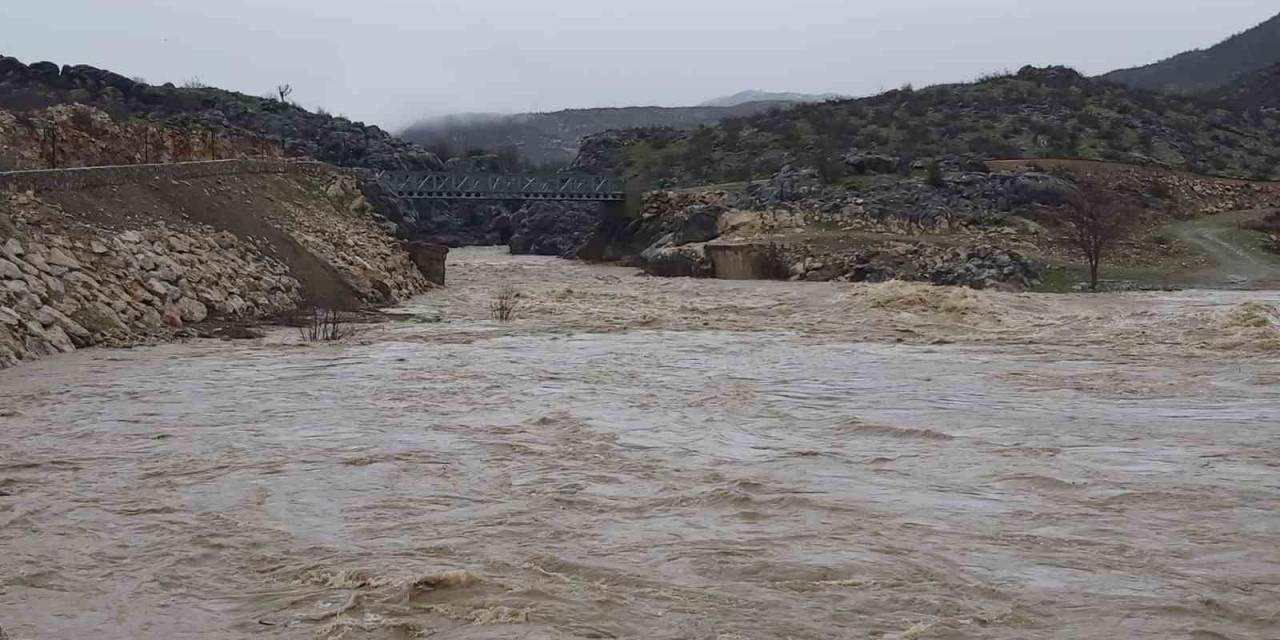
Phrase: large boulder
pixel 687 261
pixel 698 223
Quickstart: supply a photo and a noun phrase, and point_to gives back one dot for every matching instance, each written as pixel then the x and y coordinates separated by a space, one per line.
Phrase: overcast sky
pixel 392 61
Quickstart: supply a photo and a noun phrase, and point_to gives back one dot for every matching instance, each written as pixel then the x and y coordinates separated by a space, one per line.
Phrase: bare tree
pixel 285 90
pixel 1096 218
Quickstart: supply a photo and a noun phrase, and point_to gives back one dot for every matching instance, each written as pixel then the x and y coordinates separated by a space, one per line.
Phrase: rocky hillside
pixel 1036 113
pixel 545 139
pixel 1204 70
pixel 998 227
pixel 296 131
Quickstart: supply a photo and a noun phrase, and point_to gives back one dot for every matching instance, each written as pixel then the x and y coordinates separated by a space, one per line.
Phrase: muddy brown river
pixel 643 458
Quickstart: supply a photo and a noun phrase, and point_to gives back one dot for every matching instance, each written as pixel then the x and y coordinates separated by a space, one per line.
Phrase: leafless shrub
pixel 194 83
pixel 1096 219
pixel 324 325
pixel 503 306
pixel 284 91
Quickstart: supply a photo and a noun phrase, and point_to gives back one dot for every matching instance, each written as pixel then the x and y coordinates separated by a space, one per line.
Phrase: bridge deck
pixel 494 186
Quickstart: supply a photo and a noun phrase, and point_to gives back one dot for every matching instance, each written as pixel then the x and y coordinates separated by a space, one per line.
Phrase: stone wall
pixel 739 260
pixel 44 180
pixel 65 284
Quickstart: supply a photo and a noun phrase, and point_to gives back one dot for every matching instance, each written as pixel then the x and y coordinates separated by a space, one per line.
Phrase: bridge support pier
pixel 430 258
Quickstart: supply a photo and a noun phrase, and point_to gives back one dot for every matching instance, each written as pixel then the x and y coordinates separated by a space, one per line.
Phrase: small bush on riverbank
pixel 324 325
pixel 503 306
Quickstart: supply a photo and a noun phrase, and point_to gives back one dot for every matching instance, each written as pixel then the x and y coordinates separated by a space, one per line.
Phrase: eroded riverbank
pixel 642 458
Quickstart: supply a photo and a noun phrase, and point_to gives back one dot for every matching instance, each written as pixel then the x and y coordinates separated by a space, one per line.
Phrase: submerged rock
pixel 686 261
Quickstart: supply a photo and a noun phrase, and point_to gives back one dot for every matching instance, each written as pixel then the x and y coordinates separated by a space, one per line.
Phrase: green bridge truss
pixel 444 185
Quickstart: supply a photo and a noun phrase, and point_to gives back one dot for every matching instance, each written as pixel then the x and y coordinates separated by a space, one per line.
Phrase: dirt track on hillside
pixel 1237 260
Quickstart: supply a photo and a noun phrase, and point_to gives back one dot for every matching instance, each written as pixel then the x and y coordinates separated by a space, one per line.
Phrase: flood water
pixel 640 458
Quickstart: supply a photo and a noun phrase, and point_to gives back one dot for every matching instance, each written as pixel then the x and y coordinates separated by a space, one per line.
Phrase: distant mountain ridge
pixel 553 138
pixel 1204 70
pixel 752 95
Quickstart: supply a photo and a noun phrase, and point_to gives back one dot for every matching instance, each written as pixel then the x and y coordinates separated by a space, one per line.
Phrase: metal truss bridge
pixel 443 185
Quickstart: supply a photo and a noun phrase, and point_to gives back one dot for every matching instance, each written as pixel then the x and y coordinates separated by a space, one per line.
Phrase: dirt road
pixel 1238 262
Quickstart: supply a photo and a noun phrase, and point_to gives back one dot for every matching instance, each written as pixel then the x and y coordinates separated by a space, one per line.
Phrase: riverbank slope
pixel 124 255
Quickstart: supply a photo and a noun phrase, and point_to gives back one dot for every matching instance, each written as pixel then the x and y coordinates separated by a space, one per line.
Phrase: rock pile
pixel 67 286
pixel 154 251
pixel 368 258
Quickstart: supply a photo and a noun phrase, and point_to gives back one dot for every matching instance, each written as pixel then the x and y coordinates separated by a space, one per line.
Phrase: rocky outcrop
pixel 100 256
pixel 79 136
pixel 667 219
pixel 550 228
pixel 977 267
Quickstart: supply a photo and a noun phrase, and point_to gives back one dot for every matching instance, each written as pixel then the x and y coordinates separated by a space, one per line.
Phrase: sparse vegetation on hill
pixel 1036 113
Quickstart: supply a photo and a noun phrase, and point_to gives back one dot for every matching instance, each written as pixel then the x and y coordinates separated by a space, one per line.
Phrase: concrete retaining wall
pixel 74 179
pixel 430 259
pixel 739 261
